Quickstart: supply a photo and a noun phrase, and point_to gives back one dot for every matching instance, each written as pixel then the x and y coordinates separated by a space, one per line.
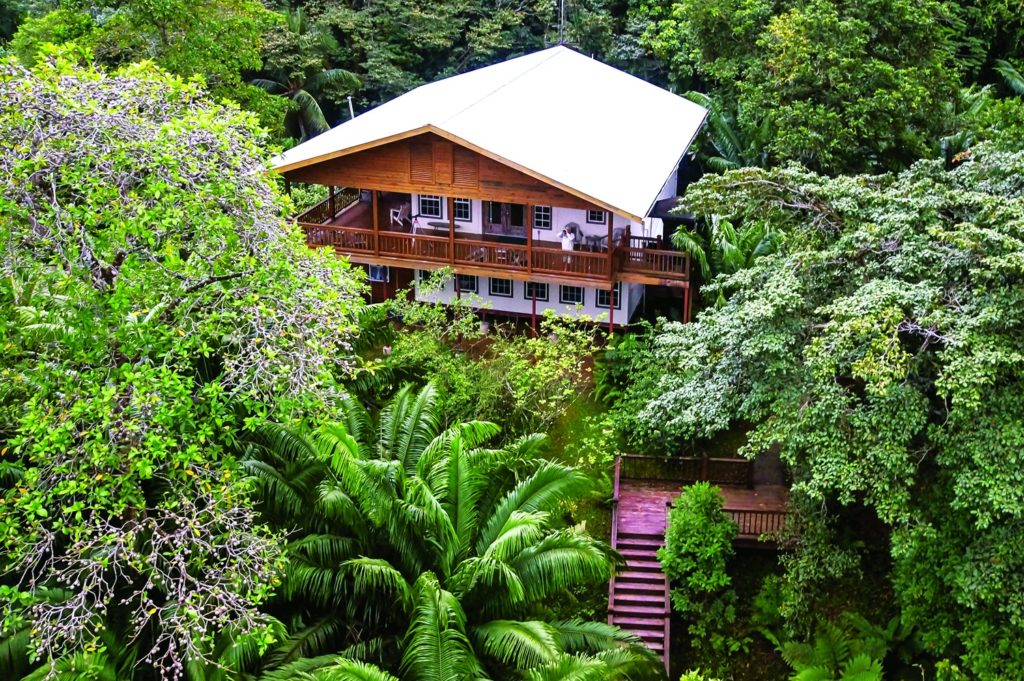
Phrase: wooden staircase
pixel 638 595
pixel 638 600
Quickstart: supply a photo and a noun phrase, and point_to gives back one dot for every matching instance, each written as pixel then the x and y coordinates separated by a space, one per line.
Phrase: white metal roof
pixel 596 131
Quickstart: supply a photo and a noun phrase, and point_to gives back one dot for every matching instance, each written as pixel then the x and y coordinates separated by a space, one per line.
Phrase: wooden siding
pixel 430 164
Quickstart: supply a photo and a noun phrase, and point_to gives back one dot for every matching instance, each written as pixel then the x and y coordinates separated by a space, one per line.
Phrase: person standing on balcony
pixel 568 240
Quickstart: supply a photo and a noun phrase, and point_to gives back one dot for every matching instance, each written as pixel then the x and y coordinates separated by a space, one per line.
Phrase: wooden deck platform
pixel 638 596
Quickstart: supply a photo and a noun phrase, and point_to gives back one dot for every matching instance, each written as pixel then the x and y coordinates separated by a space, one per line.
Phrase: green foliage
pixel 523 383
pixel 152 301
pixel 850 649
pixel 414 533
pixel 297 57
pixel 842 86
pixel 698 545
pixel 880 352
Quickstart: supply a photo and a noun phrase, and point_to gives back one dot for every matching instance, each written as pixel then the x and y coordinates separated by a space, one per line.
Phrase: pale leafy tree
pixel 152 302
pixel 879 352
pixel 437 558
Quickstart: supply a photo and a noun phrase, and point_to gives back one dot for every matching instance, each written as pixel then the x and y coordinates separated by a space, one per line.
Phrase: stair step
pixel 639 600
pixel 638 597
pixel 639 540
pixel 645 588
pixel 640 576
pixel 644 553
pixel 651 635
pixel 634 623
pixel 639 610
pixel 656 646
pixel 634 564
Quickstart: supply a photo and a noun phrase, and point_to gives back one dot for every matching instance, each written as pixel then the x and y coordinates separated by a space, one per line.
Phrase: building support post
pixel 287 186
pixel 533 311
pixel 611 248
pixel 611 309
pixel 451 232
pixel 458 291
pixel 330 203
pixel 376 221
pixel 686 304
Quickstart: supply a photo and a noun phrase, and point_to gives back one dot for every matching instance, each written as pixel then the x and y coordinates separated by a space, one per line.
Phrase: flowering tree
pixel 152 303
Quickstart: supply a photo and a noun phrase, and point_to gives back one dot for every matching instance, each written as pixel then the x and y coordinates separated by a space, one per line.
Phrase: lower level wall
pixel 626 299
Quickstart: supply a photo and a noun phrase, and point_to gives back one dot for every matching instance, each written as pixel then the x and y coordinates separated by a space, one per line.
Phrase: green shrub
pixel 698 545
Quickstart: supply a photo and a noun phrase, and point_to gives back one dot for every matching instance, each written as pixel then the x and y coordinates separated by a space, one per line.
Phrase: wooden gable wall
pixel 430 164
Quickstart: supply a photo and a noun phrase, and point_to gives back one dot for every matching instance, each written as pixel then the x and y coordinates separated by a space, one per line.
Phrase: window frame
pixel 550 219
pixel 603 220
pixel 468 203
pixel 461 289
pixel 431 197
pixel 511 287
pixel 547 290
pixel 384 270
pixel 561 295
pixel 618 297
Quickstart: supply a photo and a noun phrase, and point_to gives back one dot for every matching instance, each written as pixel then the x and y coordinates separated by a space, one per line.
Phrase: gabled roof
pixel 595 131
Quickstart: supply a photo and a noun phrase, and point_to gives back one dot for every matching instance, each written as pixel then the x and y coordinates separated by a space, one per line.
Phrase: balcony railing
pixel 639 258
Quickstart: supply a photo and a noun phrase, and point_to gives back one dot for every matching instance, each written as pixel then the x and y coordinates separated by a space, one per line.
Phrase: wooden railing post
pixel 529 239
pixel 611 247
pixel 376 221
pixel 451 231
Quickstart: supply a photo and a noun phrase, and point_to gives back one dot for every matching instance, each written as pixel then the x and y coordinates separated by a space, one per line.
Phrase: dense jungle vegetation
pixel 218 463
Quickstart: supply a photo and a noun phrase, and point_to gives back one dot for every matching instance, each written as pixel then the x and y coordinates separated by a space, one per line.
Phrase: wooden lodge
pixel 533 206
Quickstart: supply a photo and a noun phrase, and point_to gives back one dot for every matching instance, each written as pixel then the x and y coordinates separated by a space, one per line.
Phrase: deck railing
pixel 577 263
pixel 502 256
pixel 415 246
pixel 348 239
pixel 545 260
pixel 645 260
pixel 755 523
pixel 684 469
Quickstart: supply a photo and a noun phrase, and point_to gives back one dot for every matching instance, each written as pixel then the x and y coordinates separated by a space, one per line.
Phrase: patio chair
pixel 400 215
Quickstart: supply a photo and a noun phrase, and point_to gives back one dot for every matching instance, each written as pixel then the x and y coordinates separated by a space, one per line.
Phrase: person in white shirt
pixel 568 243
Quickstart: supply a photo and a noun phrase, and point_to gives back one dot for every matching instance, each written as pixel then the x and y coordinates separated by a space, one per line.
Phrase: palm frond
pixel 544 490
pixel 340 79
pixel 520 644
pixel 1011 74
pixel 436 646
pixel 348 670
pixel 271 86
pixel 379 580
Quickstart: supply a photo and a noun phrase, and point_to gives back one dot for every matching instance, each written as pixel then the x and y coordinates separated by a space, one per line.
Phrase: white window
pixel 466 282
pixel 571 295
pixel 379 273
pixel 602 296
pixel 463 209
pixel 595 216
pixel 542 217
pixel 430 206
pixel 535 289
pixel 500 287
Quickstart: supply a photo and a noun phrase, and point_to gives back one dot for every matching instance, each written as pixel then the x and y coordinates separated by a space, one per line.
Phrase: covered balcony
pixel 380 228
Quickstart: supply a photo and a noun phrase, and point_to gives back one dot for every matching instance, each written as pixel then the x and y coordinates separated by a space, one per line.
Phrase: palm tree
pixel 725 249
pixel 1012 75
pixel 726 146
pixel 422 550
pixel 301 75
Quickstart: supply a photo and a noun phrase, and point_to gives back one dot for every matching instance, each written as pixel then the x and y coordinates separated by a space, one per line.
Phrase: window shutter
pixel 421 163
pixel 467 169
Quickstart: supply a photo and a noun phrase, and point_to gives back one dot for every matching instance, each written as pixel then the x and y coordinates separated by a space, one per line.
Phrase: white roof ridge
pixel 554 53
